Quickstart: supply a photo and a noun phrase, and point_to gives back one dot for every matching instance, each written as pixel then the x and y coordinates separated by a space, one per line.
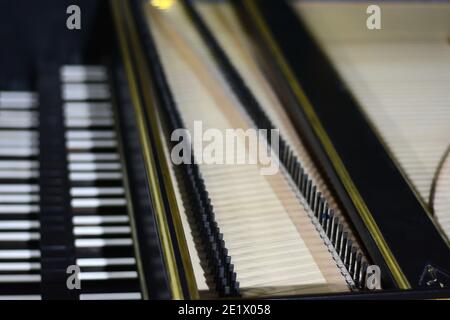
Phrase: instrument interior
pixel 90 122
pixel 398 76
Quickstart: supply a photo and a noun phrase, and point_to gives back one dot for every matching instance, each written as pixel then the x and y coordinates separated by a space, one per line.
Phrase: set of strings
pixel 274 246
pixel 399 75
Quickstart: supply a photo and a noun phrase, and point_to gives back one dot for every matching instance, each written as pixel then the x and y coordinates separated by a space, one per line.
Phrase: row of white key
pixel 95 173
pixel 19 196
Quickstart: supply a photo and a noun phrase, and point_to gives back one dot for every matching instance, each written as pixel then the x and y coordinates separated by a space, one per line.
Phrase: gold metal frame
pixel 133 54
pixel 130 210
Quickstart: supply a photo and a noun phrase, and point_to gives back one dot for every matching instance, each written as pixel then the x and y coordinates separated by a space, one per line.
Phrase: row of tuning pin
pixel 103 235
pixel 349 254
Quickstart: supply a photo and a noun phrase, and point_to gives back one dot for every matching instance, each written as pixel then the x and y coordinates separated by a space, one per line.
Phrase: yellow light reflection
pixel 162 4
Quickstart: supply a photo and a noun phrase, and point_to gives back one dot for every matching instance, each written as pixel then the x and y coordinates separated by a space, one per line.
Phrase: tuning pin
pixel 338 238
pixel 343 245
pixel 362 274
pixel 352 262
pixel 300 178
pixel 312 199
pixel 347 254
pixel 329 225
pixel 357 270
pixel 308 191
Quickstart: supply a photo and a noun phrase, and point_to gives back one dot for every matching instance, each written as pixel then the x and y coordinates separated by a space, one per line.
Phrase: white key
pixel 19 266
pixel 98 166
pixel 18 114
pixel 94 176
pixel 95 202
pixel 88 134
pixel 88 122
pixel 19 134
pixel 103 262
pixel 16 174
pixel 89 157
pixel 18 123
pixel 18 100
pixel 19 236
pixel 78 91
pixel 84 106
pixel 91 144
pixel 111 296
pixel 19 152
pixel 22 198
pixel 18 164
pixel 105 275
pixel 87 106
pixel 13 142
pixel 96 220
pixel 95 191
pixel 97 231
pixel 70 112
pixel 18 209
pixel 19 254
pixel 97 242
pixel 21 297
pixel 81 73
pixel 24 278
pixel 19 188
pixel 19 225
